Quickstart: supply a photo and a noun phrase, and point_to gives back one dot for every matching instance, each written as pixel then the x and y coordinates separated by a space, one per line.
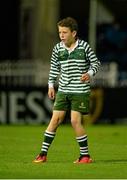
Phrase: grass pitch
pixel 19 145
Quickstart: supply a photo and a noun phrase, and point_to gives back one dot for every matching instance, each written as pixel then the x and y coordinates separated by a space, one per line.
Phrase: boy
pixel 76 63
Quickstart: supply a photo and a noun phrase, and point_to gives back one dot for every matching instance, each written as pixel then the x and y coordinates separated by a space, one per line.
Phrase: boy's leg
pixel 48 138
pixel 81 137
pixel 49 135
pixel 60 107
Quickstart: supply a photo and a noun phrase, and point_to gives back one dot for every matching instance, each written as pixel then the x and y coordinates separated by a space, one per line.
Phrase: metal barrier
pixel 23 73
pixel 107 76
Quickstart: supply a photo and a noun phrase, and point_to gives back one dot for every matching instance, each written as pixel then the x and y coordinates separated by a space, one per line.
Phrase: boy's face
pixel 66 35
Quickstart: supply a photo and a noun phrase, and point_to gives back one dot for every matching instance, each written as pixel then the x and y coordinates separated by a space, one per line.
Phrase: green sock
pixel 82 141
pixel 48 138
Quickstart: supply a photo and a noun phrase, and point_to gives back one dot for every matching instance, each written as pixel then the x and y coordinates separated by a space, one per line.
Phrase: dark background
pixel 9 29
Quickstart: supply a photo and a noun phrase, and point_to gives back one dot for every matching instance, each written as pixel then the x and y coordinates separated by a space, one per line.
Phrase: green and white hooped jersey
pixel 71 66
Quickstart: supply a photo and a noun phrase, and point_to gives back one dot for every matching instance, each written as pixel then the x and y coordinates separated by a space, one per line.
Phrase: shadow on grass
pixel 111 161
pixel 107 161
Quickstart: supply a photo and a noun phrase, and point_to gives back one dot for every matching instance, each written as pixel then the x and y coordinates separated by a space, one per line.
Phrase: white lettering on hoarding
pixel 18 107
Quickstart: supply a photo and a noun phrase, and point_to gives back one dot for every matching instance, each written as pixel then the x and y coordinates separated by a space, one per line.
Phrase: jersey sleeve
pixel 54 68
pixel 93 60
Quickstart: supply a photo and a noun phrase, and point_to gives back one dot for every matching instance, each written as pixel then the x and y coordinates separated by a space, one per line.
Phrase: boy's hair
pixel 69 22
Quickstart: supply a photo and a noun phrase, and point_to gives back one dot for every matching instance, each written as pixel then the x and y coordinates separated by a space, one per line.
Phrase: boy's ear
pixel 74 33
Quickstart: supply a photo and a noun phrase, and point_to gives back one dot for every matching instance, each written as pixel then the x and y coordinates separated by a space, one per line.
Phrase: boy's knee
pixel 74 122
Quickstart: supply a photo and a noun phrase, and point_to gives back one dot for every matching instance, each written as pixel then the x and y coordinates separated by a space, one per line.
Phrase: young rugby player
pixel 75 63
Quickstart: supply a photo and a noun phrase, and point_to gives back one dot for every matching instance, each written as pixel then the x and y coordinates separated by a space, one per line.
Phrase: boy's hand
pixel 51 93
pixel 85 77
